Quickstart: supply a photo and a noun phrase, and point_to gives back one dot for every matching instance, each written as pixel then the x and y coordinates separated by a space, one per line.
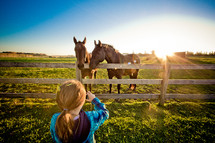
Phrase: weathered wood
pixel 152 66
pixel 78 73
pixel 127 96
pixel 127 66
pixel 33 80
pixel 121 81
pixel 42 65
pixel 190 96
pixel 164 83
pixel 28 95
pixel 107 81
pixel 112 96
pixel 199 66
pixel 191 81
pixel 105 66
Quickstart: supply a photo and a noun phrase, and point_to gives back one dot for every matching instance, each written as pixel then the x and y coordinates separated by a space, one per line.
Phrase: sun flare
pixel 163 34
pixel 163 54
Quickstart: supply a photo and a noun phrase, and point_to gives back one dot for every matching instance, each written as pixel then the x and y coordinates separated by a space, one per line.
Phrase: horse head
pixel 98 55
pixel 80 52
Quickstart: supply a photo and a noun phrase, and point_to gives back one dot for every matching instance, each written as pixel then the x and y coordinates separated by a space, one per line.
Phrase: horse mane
pixel 111 47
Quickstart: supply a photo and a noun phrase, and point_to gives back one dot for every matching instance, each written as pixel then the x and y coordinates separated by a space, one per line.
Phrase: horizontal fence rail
pixel 41 65
pixel 202 66
pixel 127 66
pixel 107 81
pixel 106 66
pixel 112 96
pixel 163 82
pixel 33 80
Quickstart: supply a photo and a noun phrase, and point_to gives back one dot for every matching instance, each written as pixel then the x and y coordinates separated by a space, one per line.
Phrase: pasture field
pixel 28 120
pixel 20 72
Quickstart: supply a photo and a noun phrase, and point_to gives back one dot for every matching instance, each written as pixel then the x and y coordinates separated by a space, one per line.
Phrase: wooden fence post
pixel 78 72
pixel 164 82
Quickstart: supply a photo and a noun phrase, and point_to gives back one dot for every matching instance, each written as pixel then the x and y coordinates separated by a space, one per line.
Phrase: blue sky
pixel 48 27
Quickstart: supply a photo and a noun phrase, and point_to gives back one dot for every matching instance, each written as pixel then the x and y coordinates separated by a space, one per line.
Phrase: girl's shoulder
pixel 55 115
pixel 54 119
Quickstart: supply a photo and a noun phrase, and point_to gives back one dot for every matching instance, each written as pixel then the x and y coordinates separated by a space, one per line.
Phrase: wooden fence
pixel 165 81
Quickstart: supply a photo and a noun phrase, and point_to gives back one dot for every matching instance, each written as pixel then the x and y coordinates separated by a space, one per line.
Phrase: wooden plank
pixel 33 80
pixel 127 66
pixel 107 81
pixel 28 95
pixel 112 96
pixel 78 72
pixel 121 81
pixel 191 81
pixel 105 66
pixel 100 96
pixel 153 66
pixel 42 65
pixel 127 96
pixel 164 83
pixel 190 96
pixel 199 66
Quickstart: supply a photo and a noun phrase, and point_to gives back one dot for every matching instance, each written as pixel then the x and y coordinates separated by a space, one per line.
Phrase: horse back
pixel 131 59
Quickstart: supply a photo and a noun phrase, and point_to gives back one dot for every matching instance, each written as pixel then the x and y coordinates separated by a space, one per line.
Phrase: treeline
pixel 200 53
pixel 21 54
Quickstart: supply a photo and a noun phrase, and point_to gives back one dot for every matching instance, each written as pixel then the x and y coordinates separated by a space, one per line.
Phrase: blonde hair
pixel 71 95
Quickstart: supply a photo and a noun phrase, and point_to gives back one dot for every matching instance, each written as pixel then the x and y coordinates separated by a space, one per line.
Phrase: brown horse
pixel 106 52
pixel 83 57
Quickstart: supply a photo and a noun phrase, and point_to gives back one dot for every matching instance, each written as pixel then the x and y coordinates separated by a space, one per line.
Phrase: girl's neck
pixel 76 111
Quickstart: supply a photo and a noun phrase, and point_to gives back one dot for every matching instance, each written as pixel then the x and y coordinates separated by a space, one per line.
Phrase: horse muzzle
pixel 80 66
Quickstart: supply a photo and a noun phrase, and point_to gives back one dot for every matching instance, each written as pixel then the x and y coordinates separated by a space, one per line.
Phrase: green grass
pixel 20 72
pixel 28 120
pixel 38 60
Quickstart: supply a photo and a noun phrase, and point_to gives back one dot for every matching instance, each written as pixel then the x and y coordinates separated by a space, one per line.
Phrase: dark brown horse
pixel 83 57
pixel 106 52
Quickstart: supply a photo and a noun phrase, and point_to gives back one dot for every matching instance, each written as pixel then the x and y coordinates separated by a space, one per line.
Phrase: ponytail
pixel 64 126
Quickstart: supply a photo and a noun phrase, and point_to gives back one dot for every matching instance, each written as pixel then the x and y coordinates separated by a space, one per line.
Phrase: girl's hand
pixel 90 96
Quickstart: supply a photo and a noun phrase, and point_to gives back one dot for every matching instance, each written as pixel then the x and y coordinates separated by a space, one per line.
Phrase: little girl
pixel 73 124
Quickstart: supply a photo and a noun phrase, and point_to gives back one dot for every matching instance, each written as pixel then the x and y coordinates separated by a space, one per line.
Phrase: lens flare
pixel 163 54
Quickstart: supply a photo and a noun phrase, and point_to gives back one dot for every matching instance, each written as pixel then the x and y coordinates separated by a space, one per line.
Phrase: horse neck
pixel 88 57
pixel 113 56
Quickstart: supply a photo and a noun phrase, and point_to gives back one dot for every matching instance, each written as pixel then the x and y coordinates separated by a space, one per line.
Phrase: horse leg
pixel 90 85
pixel 95 74
pixel 134 76
pixel 110 85
pixel 85 87
pixel 119 85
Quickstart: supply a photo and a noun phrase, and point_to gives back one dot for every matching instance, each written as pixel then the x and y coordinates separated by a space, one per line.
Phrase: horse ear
pixel 100 44
pixel 95 42
pixel 74 39
pixel 84 40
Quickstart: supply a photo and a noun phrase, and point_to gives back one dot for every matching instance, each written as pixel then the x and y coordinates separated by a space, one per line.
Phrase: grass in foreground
pixel 28 120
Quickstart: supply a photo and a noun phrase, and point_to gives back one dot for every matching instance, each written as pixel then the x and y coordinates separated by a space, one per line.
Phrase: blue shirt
pixel 96 118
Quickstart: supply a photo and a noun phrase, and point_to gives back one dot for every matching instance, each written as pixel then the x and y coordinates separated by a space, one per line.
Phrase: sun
pixel 163 54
